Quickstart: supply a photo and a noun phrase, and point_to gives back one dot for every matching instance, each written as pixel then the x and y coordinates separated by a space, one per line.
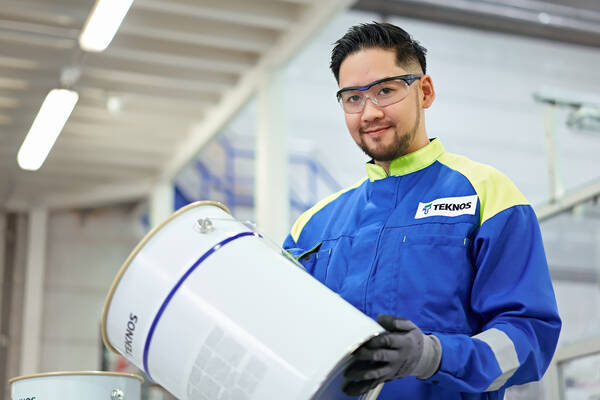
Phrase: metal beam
pixel 158 82
pixel 200 102
pixel 115 158
pixel 192 93
pixel 133 134
pixel 163 120
pixel 13 84
pixel 171 53
pixel 94 172
pixel 97 196
pixel 149 148
pixel 97 96
pixel 18 63
pixel 576 350
pixel 569 200
pixel 53 183
pixel 186 28
pixel 264 14
pixel 48 31
pixel 498 16
pixel 42 74
pixel 63 13
pixel 76 169
pixel 98 61
pixel 37 55
pixel 31 79
pixel 138 118
pixel 26 38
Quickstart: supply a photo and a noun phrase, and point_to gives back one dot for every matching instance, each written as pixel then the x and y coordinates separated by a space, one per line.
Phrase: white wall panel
pixel 85 251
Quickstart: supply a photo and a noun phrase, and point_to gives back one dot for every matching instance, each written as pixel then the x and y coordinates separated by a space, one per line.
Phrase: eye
pixel 352 99
pixel 385 91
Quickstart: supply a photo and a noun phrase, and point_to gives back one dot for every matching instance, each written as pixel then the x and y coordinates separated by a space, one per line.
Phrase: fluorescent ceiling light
pixel 103 23
pixel 46 127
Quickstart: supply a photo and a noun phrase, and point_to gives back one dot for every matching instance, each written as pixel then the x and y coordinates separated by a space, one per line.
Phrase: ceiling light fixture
pixel 46 127
pixel 102 24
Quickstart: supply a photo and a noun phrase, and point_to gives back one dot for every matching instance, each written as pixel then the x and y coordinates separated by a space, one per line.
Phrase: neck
pixel 418 142
pixel 385 165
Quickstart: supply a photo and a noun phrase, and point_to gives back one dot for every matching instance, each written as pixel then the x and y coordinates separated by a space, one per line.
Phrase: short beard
pixel 399 148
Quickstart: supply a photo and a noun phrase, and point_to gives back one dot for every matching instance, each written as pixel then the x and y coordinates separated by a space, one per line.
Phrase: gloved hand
pixel 402 351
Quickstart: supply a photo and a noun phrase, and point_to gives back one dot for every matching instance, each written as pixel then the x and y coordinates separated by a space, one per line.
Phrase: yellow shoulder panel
pixel 307 215
pixel 495 191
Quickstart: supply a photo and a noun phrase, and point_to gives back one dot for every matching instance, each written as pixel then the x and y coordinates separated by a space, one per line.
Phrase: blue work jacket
pixel 453 246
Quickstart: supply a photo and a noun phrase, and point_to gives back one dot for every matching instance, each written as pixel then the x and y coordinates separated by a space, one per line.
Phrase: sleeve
pixel 289 242
pixel 292 248
pixel 512 294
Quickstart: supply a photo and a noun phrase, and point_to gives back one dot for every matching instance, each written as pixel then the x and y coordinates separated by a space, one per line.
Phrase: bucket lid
pixel 135 251
pixel 63 373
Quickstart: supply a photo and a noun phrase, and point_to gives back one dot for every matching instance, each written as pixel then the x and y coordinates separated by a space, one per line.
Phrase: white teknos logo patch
pixel 448 207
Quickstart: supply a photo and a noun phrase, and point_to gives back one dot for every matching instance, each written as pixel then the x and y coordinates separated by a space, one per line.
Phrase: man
pixel 445 252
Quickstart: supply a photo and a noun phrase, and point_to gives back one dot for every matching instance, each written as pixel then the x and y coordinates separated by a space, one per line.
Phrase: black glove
pixel 402 351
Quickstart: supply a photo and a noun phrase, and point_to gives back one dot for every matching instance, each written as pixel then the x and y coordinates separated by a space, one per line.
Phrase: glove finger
pixel 383 340
pixel 379 354
pixel 379 371
pixel 358 388
pixel 396 340
pixel 358 365
pixel 395 324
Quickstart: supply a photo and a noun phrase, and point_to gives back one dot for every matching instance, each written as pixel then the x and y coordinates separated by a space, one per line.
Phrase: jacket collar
pixel 408 163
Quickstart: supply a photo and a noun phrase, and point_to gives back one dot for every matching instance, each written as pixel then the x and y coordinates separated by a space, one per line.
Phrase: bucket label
pixel 223 369
pixel 129 331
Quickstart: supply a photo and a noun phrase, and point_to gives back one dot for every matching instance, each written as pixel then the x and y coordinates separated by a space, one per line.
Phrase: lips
pixel 375 131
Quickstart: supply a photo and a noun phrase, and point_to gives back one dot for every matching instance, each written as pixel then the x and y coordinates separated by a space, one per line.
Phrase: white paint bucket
pixel 211 310
pixel 88 385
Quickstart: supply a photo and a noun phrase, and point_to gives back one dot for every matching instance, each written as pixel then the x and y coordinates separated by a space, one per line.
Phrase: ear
pixel 427 91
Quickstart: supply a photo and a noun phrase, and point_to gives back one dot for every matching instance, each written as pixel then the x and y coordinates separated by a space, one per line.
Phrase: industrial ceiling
pixel 176 72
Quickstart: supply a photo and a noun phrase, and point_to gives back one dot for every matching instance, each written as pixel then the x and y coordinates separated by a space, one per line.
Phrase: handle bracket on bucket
pixel 204 225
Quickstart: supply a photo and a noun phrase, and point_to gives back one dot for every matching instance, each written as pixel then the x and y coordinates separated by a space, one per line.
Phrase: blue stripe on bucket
pixel 163 306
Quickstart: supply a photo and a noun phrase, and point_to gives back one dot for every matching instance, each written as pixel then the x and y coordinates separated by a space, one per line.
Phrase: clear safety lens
pixel 382 94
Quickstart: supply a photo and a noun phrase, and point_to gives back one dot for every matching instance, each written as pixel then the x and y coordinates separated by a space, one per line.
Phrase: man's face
pixel 385 133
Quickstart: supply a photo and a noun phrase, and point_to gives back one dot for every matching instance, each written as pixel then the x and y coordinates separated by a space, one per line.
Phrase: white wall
pixel 15 322
pixel 84 252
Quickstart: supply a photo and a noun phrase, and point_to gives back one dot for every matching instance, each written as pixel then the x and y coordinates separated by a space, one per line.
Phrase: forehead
pixel 368 65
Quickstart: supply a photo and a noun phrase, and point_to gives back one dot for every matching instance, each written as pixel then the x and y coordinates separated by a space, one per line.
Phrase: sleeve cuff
pixel 430 360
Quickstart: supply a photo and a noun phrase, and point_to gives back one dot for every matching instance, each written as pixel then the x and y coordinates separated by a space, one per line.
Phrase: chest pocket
pixel 426 274
pixel 315 260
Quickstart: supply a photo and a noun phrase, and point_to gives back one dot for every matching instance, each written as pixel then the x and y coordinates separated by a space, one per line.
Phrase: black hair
pixel 373 35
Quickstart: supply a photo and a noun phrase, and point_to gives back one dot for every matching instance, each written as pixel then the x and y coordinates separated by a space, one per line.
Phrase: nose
pixel 371 112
